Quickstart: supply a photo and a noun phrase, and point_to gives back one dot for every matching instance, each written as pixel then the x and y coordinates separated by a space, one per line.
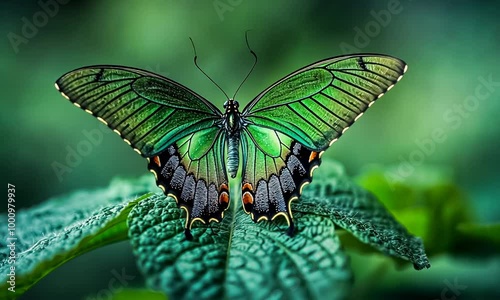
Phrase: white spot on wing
pixel 302 187
pixel 265 218
pixel 406 69
pixel 154 172
pixel 379 96
pixel 57 87
pixel 312 170
pixel 77 105
pixel 331 143
pixel 345 129
pixel 88 111
pixel 64 95
pixel 359 116
pixel 138 151
pixel 117 132
pixel 128 142
pixel 390 87
pixel 371 103
pixel 102 120
pixel 399 78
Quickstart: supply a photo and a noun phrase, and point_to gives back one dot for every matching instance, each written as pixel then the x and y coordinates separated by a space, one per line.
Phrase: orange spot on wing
pixel 223 188
pixel 313 156
pixel 247 198
pixel 247 187
pixel 224 198
pixel 156 159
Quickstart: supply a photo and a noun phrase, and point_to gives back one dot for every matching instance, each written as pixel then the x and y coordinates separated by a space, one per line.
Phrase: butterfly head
pixel 231 105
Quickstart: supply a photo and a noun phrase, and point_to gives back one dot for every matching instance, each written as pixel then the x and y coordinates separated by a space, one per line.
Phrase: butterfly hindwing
pixel 275 169
pixel 148 111
pixel 192 171
pixel 317 104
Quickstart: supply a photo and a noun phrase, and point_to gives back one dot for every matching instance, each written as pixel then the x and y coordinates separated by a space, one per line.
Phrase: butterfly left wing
pixel 175 128
pixel 292 122
pixel 192 171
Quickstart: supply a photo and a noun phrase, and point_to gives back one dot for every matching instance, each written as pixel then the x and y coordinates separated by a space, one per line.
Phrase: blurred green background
pixel 451 48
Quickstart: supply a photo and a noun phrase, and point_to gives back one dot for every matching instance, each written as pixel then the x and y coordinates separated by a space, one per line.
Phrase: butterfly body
pixel 233 123
pixel 275 142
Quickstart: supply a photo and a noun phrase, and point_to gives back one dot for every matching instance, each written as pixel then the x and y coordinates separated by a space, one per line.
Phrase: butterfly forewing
pixel 316 104
pixel 148 111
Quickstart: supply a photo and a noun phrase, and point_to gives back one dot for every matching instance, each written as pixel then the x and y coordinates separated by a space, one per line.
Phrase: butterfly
pixel 276 141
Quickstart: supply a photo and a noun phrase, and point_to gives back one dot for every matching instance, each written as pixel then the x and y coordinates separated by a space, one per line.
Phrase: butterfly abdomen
pixel 232 123
pixel 233 158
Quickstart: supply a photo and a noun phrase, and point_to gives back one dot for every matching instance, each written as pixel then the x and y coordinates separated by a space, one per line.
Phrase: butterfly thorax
pixel 232 120
pixel 232 124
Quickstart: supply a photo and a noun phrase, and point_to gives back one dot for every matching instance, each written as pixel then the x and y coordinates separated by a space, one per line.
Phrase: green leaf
pixel 360 213
pixel 62 228
pixel 237 259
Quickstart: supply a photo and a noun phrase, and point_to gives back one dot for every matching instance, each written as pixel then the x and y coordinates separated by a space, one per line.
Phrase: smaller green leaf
pixel 359 212
pixel 60 229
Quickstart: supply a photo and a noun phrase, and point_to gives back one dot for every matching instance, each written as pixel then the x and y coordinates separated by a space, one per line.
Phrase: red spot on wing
pixel 224 198
pixel 247 198
pixel 313 156
pixel 224 188
pixel 247 187
pixel 156 159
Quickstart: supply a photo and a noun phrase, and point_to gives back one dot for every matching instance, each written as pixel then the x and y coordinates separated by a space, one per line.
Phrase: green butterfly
pixel 278 138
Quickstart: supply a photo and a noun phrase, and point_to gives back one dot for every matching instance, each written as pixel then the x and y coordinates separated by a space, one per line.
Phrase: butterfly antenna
pixel 196 64
pixel 254 63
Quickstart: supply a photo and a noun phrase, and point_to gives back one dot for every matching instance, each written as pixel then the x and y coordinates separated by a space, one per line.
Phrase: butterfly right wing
pixel 148 111
pixel 193 172
pixel 318 103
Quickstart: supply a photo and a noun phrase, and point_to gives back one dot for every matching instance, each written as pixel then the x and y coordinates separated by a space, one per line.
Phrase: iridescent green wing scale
pixel 311 108
pixel 173 127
